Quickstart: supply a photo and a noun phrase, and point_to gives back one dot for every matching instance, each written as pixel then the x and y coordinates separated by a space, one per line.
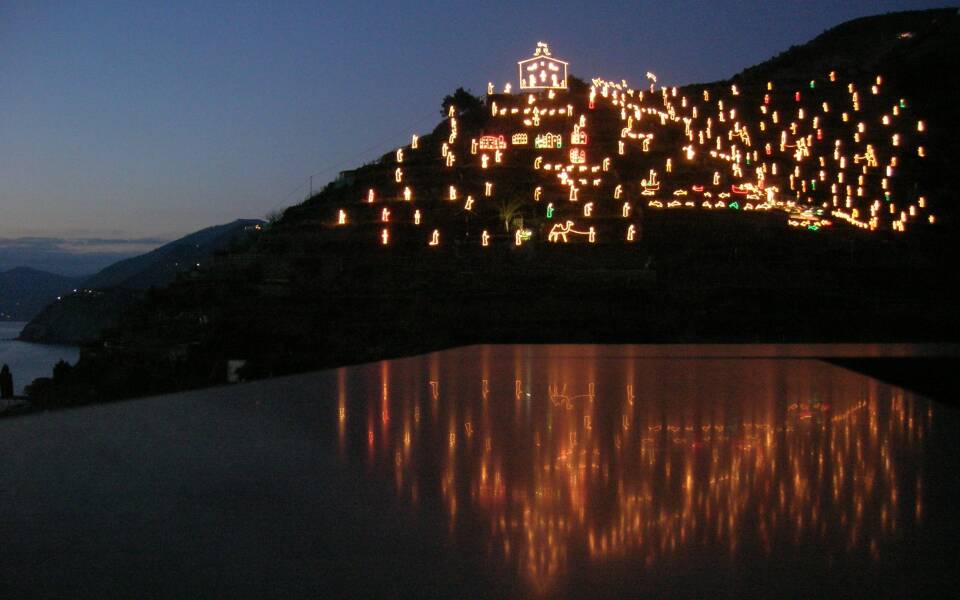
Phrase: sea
pixel 28 361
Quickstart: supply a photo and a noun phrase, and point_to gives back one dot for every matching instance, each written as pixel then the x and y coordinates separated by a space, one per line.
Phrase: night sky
pixel 154 119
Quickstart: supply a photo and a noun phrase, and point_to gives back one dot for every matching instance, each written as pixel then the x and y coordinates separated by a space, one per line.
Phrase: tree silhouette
pixel 463 101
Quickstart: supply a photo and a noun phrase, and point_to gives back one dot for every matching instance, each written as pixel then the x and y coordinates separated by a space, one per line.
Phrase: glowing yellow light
pixel 548 140
pixel 561 231
pixel 341 217
pixel 492 142
pixel 487 188
pixel 484 238
pixel 435 238
pixel 414 141
pixel 385 237
pixel 416 217
pixel 578 137
pixel 542 71
pixel 398 175
pixel 407 194
pixel 385 215
pixel 588 209
pixel 370 196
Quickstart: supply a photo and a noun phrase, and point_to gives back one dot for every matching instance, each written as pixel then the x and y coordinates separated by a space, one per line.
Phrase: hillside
pixel 160 266
pixel 24 292
pixel 81 316
pixel 810 207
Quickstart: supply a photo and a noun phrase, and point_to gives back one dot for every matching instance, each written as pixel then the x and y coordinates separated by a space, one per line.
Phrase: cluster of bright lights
pixel 808 153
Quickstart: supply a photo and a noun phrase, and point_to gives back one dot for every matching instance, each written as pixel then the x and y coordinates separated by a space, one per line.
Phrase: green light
pixel 734 205
pixel 812 85
pixel 549 212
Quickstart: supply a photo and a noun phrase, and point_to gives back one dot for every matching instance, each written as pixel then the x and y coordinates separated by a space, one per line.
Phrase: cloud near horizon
pixel 71 256
pixel 84 245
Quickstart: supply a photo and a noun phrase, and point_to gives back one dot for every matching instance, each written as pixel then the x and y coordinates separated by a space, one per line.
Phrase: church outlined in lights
pixel 581 164
pixel 542 71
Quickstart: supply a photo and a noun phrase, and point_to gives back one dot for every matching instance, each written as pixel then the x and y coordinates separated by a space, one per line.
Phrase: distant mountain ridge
pixel 25 291
pixel 159 267
pixel 98 300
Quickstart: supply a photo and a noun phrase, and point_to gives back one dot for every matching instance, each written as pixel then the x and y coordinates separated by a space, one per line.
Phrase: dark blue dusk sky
pixel 128 119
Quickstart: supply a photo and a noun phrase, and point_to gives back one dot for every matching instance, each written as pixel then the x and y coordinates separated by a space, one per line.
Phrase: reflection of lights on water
pixel 599 468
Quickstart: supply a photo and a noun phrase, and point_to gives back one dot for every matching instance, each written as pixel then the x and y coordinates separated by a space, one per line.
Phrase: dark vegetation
pixel 303 295
pixel 81 315
pixel 25 291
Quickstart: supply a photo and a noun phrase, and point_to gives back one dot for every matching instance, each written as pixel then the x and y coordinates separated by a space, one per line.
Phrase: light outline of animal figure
pixel 562 230
pixel 559 397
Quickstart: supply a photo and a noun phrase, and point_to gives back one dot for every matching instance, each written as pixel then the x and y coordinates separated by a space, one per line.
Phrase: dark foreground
pixel 495 471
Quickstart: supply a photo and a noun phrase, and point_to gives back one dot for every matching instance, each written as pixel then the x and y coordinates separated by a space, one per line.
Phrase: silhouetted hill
pixel 79 317
pixel 25 291
pixel 916 52
pixel 810 206
pixel 867 46
pixel 159 267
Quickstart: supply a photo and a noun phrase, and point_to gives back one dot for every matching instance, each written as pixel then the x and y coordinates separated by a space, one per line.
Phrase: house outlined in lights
pixel 542 71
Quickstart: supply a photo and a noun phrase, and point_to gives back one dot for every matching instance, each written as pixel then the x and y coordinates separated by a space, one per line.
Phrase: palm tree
pixel 508 208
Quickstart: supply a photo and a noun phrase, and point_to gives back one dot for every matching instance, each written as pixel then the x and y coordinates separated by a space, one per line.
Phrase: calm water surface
pixel 571 470
pixel 29 361
pixel 495 471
